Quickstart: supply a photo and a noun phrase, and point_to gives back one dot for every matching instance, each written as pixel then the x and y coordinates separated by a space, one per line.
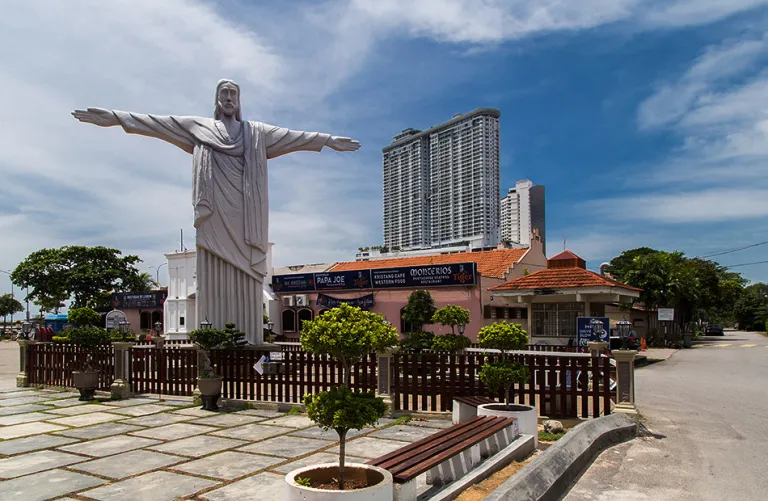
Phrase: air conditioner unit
pixel 288 300
pixel 302 300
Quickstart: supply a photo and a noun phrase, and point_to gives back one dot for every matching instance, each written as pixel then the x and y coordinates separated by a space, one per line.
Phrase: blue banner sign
pixel 343 280
pixel 363 302
pixel 301 282
pixel 584 332
pixel 416 277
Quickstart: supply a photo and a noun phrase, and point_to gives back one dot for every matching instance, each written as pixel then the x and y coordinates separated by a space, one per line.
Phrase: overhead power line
pixel 734 250
pixel 746 264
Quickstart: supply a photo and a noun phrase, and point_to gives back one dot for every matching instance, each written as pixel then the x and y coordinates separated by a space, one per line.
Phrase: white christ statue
pixel 229 197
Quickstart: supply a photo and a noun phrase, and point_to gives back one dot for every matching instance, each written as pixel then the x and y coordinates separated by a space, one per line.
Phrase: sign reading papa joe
pixel 438 275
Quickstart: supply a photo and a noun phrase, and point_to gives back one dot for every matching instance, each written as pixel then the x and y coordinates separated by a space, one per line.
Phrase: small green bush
pixel 207 340
pixel 417 341
pixel 451 342
pixel 451 315
pixel 89 339
pixel 83 317
pixel 303 481
pixel 60 339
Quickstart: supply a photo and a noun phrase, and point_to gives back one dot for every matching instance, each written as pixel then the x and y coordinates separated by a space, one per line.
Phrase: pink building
pixel 383 286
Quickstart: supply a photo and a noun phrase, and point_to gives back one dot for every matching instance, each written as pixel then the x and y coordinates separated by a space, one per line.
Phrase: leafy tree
pixel 503 374
pixel 9 305
pixel 451 342
pixel 86 274
pixel 140 282
pixel 89 339
pixel 451 315
pixel 84 317
pixel 417 341
pixel 235 338
pixel 622 264
pixel 751 310
pixel 50 304
pixel 419 310
pixel 346 333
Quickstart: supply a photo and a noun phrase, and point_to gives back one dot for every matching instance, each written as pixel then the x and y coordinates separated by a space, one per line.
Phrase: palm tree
pixel 142 282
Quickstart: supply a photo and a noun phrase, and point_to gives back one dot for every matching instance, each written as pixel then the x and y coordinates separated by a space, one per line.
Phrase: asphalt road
pixel 706 436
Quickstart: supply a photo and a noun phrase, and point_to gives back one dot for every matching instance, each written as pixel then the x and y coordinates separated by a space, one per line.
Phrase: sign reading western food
pixel 434 275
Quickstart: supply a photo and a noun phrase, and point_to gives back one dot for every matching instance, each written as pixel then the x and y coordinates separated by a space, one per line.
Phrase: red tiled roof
pixel 493 263
pixel 565 256
pixel 561 278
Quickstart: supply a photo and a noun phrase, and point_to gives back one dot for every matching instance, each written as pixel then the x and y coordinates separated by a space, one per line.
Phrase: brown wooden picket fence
pixel 166 371
pixel 559 385
pixel 51 364
pixel 302 373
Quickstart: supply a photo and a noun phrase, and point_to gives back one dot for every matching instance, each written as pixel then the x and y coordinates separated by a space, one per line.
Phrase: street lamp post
pixel 124 328
pixel 205 324
pixel 26 329
pixel 157 274
pixel 461 329
pixel 623 326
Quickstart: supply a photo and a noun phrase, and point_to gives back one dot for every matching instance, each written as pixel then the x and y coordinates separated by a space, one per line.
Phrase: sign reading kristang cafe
pixel 435 275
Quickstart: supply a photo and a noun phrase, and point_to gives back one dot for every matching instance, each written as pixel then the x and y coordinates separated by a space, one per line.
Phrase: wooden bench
pixel 448 454
pixel 465 408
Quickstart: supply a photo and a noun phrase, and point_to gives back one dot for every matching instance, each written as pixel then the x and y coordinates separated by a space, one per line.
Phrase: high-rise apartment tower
pixel 441 185
pixel 522 211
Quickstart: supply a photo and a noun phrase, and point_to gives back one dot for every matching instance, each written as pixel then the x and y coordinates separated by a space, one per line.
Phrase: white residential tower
pixel 522 211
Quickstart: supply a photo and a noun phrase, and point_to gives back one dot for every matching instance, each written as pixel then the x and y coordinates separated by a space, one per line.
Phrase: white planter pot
pixel 381 491
pixel 527 417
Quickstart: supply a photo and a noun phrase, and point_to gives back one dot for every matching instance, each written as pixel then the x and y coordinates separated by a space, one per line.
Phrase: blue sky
pixel 646 120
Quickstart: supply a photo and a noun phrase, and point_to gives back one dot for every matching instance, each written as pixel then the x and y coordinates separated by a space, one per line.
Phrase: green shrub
pixel 83 317
pixel 235 338
pixel 60 339
pixel 502 375
pixel 89 339
pixel 451 342
pixel 207 340
pixel 303 481
pixel 417 341
pixel 451 315
pixel 503 336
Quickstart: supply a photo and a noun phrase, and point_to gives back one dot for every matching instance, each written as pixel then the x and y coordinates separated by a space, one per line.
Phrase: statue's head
pixel 227 100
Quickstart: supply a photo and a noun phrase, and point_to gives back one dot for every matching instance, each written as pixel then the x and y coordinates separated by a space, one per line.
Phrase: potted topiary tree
pixel 208 382
pixel 88 338
pixel 347 334
pixel 503 373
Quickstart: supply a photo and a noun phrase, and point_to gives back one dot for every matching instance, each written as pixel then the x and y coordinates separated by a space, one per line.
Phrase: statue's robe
pixel 231 207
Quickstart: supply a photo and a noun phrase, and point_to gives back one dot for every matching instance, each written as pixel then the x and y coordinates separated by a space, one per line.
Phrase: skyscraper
pixel 522 211
pixel 441 185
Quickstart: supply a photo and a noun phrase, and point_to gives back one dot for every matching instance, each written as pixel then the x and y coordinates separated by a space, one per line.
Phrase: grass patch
pixel 401 420
pixel 295 411
pixel 549 437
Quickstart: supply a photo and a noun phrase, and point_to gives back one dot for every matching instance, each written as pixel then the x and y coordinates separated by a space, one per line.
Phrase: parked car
pixel 714 330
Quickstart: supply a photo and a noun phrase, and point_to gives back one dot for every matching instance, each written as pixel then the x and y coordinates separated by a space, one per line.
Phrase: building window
pixel 556 319
pixel 181 321
pixel 404 326
pixel 145 321
pixel 157 316
pixel 289 321
pixel 304 315
pixel 487 311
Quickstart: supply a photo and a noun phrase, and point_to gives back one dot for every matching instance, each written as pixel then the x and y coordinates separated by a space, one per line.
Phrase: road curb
pixel 548 476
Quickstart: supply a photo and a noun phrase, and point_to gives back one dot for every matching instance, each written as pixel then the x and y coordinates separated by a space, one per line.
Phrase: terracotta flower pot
pixel 86 382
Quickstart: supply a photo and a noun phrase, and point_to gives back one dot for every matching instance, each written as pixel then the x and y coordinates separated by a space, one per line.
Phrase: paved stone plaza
pixel 54 446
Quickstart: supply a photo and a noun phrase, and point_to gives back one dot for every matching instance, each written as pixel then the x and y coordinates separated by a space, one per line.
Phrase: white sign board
pixel 114 318
pixel 666 314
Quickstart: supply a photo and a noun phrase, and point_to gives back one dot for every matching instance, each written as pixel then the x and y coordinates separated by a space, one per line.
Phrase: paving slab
pixel 252 432
pixel 197 412
pixel 177 403
pixel 21 409
pixel 228 420
pixel 130 402
pixel 99 431
pixel 287 447
pixel 228 465
pixel 175 431
pixel 25 418
pixel 158 419
pixel 264 487
pixel 157 486
pixel 128 464
pixel 291 422
pixel 109 445
pixel 34 462
pixel 200 445
pixel 331 435
pixel 140 410
pixel 67 402
pixel 26 429
pixel 46 485
pixel 267 413
pixel 18 394
pixel 22 400
pixel 86 419
pixel 77 410
pixel 370 448
pixel 404 432
pixel 35 443
pixel 319 458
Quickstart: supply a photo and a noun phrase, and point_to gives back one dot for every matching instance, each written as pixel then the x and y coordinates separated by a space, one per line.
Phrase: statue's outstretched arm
pixel 280 141
pixel 167 128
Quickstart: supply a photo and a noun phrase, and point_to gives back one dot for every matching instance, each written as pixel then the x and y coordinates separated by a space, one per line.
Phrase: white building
pixel 441 185
pixel 522 211
pixel 179 308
